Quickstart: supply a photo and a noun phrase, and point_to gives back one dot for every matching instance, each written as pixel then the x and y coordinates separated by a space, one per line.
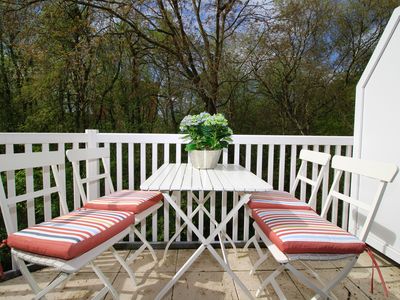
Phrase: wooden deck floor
pixel 205 280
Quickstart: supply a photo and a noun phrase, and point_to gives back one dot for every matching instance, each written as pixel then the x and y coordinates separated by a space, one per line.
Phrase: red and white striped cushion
pixel 276 199
pixel 126 200
pixel 304 231
pixel 71 235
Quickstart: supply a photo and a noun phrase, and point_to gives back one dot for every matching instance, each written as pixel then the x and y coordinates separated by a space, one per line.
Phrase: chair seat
pixel 304 231
pixel 126 200
pixel 71 235
pixel 276 199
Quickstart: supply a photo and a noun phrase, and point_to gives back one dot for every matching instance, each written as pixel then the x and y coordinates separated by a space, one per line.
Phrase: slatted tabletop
pixel 183 177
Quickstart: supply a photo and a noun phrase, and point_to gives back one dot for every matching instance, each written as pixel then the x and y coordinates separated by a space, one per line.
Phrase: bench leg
pixel 105 281
pixel 124 264
pixel 39 292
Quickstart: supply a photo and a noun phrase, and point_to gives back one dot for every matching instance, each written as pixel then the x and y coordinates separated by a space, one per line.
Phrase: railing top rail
pixel 166 138
pixel 36 137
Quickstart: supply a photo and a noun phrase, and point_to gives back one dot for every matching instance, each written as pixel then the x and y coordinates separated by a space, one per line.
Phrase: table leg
pixel 205 244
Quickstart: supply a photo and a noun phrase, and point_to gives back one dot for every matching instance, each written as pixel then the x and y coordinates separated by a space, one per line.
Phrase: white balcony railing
pixel 135 156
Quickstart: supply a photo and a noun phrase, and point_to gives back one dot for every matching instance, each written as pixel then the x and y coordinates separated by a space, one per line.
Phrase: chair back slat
pixel 376 170
pixel 321 160
pixel 78 155
pixel 381 172
pixel 88 154
pixel 26 161
pixel 18 161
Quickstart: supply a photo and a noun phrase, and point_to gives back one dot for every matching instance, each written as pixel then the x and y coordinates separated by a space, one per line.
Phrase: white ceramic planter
pixel 204 159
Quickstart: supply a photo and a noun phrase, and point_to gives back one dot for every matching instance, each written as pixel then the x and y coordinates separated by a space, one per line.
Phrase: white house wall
pixel 377 134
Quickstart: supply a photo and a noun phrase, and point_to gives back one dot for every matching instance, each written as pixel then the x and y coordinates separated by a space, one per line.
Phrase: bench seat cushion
pixel 304 231
pixel 276 199
pixel 126 200
pixel 71 235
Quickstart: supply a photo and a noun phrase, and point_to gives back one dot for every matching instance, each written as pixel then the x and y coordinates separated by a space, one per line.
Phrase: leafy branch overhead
pixel 272 67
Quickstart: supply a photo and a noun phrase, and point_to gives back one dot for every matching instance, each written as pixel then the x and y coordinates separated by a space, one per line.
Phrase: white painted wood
pixel 108 184
pixel 8 202
pixel 293 160
pixel 170 175
pixel 148 184
pixel 207 185
pixel 88 154
pixel 166 140
pixel 30 201
pixel 214 180
pixel 282 160
pixel 303 184
pixel 21 161
pixel 368 168
pixel 189 212
pixel 187 179
pixel 271 164
pixel 248 157
pixel 154 166
pixel 346 191
pixel 384 173
pixel 119 166
pixel 177 181
pixel 46 185
pixel 77 197
pixel 142 163
pixel 92 166
pixel 259 160
pixel 131 166
pixel 325 181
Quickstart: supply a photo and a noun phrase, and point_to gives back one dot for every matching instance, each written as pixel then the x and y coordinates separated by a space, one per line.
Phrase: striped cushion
pixel 126 200
pixel 71 235
pixel 304 231
pixel 276 199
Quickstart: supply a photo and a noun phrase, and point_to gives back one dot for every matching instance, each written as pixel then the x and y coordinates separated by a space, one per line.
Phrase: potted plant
pixel 207 135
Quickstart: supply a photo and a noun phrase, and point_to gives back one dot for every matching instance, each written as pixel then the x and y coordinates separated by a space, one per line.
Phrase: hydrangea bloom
pixel 205 131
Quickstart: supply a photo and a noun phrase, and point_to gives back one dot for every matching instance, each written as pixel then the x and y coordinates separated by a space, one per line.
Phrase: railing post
pixel 92 167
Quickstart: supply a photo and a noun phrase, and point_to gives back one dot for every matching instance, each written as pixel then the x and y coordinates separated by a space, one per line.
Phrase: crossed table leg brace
pixel 205 242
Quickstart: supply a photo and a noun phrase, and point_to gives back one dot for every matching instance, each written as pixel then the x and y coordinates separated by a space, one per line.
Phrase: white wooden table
pixel 173 178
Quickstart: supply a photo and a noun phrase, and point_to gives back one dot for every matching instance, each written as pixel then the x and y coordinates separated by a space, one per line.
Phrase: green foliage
pixel 206 132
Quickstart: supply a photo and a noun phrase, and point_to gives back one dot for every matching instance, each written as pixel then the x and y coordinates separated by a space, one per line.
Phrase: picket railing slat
pixel 293 166
pixel 335 202
pixel 77 196
pixel 325 181
pixel 282 155
pixel 30 203
pixel 119 166
pixel 271 154
pixel 303 184
pixel 346 191
pixel 131 166
pixel 46 185
pixel 235 229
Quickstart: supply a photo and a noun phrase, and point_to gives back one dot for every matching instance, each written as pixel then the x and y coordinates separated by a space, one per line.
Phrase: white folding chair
pixel 102 154
pixel 66 268
pixel 320 161
pixel 380 172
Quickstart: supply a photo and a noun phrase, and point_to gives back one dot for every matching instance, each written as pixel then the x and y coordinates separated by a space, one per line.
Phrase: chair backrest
pixel 20 161
pixel 321 160
pixel 381 172
pixel 75 156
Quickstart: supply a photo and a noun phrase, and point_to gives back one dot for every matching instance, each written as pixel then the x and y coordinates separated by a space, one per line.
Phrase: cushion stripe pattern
pixel 276 199
pixel 126 200
pixel 71 235
pixel 304 231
